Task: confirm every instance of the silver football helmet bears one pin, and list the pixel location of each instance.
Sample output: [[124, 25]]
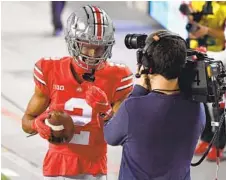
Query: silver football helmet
[[90, 36]]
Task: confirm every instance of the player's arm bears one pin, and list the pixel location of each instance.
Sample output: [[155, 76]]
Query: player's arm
[[36, 106], [35, 114], [123, 88]]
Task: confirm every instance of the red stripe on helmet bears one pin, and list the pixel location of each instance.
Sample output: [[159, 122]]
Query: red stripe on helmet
[[99, 23]]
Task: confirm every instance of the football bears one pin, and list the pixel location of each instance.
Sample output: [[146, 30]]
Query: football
[[62, 126]]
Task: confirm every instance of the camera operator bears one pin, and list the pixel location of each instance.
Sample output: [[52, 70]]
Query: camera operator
[[210, 30], [157, 126]]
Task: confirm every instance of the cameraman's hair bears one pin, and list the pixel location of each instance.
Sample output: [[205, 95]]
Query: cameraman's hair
[[168, 55]]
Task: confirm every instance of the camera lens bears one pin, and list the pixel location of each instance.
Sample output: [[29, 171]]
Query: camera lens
[[135, 41], [130, 41]]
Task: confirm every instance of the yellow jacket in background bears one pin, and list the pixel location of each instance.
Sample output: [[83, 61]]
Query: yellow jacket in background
[[216, 21]]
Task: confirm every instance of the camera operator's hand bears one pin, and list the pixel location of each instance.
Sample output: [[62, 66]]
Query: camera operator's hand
[[144, 81], [203, 30]]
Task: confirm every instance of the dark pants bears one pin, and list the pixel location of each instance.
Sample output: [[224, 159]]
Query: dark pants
[[57, 8], [207, 134]]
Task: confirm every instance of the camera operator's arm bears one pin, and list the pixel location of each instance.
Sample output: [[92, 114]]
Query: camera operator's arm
[[139, 90], [116, 129], [204, 30]]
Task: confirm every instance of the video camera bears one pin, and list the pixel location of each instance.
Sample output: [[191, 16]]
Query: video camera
[[201, 79]]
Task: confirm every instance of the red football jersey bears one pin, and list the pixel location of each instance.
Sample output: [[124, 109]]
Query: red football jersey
[[86, 152]]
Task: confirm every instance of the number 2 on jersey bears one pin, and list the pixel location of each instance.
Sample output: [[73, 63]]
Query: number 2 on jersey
[[84, 119]]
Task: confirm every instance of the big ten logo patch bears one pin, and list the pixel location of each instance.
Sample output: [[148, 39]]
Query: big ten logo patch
[[58, 87]]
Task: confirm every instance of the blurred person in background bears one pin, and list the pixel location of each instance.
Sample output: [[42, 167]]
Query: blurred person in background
[[207, 24], [64, 83], [206, 33], [57, 8]]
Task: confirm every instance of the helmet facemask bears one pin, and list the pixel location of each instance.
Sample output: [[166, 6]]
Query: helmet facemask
[[91, 55]]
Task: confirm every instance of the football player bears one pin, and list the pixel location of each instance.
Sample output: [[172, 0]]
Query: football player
[[90, 37]]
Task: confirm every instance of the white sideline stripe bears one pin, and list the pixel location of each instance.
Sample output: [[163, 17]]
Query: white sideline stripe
[[22, 163], [40, 72], [127, 78], [43, 82], [124, 87], [9, 172]]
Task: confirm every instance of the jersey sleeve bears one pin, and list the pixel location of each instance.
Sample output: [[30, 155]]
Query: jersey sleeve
[[41, 72], [124, 84]]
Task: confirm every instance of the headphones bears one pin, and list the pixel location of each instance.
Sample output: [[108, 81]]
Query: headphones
[[147, 59]]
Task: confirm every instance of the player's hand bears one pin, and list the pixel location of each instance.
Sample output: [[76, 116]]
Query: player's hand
[[98, 100], [39, 125]]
